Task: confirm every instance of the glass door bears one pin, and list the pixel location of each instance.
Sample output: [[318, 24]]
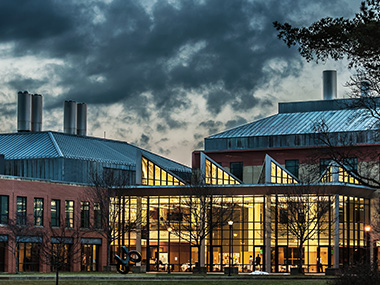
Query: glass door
[[324, 258], [194, 257], [153, 263], [216, 261], [89, 257], [258, 259]]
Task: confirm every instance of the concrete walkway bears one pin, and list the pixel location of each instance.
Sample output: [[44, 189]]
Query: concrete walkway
[[160, 276]]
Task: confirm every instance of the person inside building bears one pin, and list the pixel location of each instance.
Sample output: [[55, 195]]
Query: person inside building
[[258, 261]]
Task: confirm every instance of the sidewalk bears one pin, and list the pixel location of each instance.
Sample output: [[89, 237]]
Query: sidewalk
[[159, 276]]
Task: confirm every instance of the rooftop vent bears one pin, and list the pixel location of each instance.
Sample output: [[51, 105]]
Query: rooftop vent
[[81, 119], [36, 113], [329, 85], [24, 114], [70, 117]]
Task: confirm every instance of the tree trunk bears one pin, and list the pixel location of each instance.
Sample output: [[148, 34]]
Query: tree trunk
[[108, 255], [56, 276], [300, 264], [199, 255]]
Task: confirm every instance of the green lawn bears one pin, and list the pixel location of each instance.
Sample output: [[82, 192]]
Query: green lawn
[[161, 282]]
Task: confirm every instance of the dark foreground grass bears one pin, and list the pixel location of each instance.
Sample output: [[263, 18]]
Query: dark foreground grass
[[165, 282]]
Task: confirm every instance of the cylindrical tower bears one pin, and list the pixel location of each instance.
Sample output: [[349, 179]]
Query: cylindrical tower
[[24, 115], [70, 117], [82, 119], [329, 85], [36, 113]]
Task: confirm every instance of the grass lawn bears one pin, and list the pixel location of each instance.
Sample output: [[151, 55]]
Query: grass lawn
[[161, 282]]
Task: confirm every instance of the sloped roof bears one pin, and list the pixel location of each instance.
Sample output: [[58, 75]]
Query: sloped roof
[[55, 145], [348, 120]]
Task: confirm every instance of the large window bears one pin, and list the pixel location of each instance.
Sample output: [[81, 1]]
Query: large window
[[217, 175], [55, 213], [85, 214], [236, 168], [69, 214], [280, 176], [21, 210], [292, 166], [38, 211], [97, 216], [4, 209], [152, 174], [28, 256]]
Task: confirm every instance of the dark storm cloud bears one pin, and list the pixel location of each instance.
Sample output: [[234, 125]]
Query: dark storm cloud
[[21, 84], [120, 52], [8, 109], [236, 122], [211, 126], [144, 140]]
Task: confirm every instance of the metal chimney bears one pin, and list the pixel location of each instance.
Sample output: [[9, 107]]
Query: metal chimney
[[70, 117], [24, 115], [82, 119], [329, 85], [36, 113]]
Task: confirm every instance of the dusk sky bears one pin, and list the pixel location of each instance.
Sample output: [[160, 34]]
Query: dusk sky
[[160, 74]]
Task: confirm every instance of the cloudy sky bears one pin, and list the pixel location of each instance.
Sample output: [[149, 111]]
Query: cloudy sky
[[160, 74]]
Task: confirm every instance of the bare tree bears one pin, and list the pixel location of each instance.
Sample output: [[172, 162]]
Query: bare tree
[[302, 214], [61, 247], [20, 230], [200, 211], [108, 219]]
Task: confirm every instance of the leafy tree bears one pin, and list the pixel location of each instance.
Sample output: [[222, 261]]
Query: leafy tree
[[357, 39]]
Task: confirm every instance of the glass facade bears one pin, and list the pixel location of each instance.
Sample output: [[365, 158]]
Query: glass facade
[[152, 174], [217, 175], [249, 235], [279, 175]]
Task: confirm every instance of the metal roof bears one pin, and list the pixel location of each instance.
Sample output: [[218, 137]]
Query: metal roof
[[348, 120], [54, 145]]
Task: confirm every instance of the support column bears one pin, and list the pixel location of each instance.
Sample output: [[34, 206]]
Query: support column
[[336, 232], [138, 227], [268, 231]]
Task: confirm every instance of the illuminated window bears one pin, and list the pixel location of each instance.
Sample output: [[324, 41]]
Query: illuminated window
[[214, 174], [38, 211], [336, 173], [152, 174], [279, 175], [272, 172], [69, 214]]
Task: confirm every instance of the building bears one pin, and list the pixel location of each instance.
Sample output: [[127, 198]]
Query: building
[[46, 182], [254, 172], [260, 166]]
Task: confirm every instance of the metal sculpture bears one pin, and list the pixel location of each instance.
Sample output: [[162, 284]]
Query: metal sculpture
[[123, 264]]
